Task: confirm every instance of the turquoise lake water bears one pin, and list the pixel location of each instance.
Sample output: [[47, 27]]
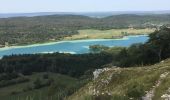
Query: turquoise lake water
[[74, 46]]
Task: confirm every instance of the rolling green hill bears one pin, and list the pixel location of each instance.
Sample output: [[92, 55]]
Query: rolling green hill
[[28, 30]]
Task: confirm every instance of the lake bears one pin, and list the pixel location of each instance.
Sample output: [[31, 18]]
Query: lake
[[73, 47]]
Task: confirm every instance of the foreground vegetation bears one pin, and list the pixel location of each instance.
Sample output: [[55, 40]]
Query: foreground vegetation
[[29, 30], [42, 86], [128, 84]]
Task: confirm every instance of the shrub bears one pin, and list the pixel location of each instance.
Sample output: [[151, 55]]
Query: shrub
[[119, 97], [37, 83], [103, 97], [8, 76], [14, 92], [4, 83], [27, 88], [45, 76], [135, 90]]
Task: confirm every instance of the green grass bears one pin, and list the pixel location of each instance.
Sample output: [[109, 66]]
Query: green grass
[[125, 83], [42, 93], [128, 83], [107, 34], [162, 89]]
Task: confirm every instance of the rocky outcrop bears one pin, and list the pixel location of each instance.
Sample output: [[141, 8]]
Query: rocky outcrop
[[103, 81]]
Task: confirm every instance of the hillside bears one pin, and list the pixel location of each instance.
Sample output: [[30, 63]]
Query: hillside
[[116, 83], [29, 30], [89, 14], [54, 86]]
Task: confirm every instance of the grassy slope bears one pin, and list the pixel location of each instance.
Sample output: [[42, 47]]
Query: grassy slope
[[124, 79], [38, 94], [107, 34]]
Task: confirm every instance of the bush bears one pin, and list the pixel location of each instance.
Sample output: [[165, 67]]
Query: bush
[[27, 88], [8, 76], [88, 97], [103, 97], [45, 76], [37, 83], [98, 48], [135, 90], [4, 83], [14, 92], [119, 97]]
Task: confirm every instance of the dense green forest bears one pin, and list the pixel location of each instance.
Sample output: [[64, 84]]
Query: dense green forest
[[72, 65], [26, 30]]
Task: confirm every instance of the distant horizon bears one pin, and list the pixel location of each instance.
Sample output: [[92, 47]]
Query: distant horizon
[[97, 14], [83, 11], [31, 6]]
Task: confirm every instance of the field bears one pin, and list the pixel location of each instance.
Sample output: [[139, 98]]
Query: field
[[16, 91], [108, 34]]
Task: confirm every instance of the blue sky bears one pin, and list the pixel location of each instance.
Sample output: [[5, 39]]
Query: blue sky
[[17, 6]]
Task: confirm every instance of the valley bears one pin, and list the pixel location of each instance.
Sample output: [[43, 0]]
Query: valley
[[75, 57]]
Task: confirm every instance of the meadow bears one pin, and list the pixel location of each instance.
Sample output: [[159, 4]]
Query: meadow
[[22, 91], [108, 34]]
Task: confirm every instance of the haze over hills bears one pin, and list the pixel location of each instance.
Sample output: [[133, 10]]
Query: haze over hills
[[90, 14]]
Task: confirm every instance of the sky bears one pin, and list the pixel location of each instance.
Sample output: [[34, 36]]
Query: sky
[[27, 6]]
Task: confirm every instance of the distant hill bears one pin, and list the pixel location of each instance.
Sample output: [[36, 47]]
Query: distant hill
[[89, 14], [8, 15], [38, 29]]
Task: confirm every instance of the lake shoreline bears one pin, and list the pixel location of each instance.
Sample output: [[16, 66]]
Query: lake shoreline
[[51, 43]]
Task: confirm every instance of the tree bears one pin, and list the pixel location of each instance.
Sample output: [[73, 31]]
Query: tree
[[37, 83], [98, 48], [160, 42]]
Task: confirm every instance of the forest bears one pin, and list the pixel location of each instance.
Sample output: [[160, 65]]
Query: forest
[[72, 65], [29, 30], [75, 65]]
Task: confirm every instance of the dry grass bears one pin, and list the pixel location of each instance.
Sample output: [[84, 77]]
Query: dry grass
[[108, 34], [124, 80]]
